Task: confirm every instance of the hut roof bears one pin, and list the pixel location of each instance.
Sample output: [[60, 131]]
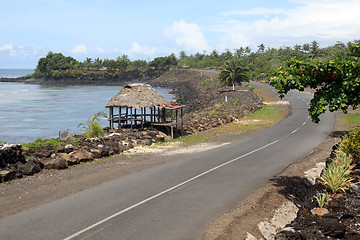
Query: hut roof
[[136, 95]]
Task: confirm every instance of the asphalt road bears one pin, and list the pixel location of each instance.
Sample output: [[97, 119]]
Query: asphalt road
[[177, 200]]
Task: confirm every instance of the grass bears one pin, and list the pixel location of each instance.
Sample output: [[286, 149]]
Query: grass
[[40, 142], [351, 120]]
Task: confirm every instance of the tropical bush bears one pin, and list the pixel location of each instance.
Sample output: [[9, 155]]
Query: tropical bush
[[93, 128], [351, 144], [322, 199], [336, 177]]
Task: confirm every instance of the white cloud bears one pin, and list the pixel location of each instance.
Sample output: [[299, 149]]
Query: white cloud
[[8, 48], [256, 11], [82, 49], [187, 35], [136, 48], [233, 40], [325, 21]]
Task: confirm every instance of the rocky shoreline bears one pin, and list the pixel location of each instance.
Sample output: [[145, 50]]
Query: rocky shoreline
[[126, 77]]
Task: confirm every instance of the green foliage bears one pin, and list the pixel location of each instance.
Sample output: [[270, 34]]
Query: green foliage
[[93, 128], [220, 106], [235, 102], [337, 83], [322, 199], [336, 177], [40, 142], [164, 62], [261, 63], [205, 82], [233, 72], [248, 87], [55, 61], [351, 144]]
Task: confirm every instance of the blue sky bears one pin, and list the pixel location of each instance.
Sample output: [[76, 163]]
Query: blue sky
[[141, 29]]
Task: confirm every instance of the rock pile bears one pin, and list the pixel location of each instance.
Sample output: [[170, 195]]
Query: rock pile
[[17, 161], [338, 220]]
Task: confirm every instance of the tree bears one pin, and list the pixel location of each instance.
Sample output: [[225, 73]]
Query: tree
[[182, 55], [164, 62], [337, 82], [226, 55], [306, 47], [239, 52], [139, 64], [214, 54], [55, 61], [261, 48], [297, 48], [314, 49], [233, 72]]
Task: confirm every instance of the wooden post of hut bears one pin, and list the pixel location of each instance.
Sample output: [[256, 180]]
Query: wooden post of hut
[[111, 117], [119, 118]]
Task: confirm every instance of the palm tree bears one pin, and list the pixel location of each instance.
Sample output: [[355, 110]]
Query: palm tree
[[233, 72], [314, 49], [306, 47], [183, 55], [297, 48], [214, 54], [261, 48]]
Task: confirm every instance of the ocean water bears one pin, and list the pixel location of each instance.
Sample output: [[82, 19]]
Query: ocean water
[[31, 111], [14, 73]]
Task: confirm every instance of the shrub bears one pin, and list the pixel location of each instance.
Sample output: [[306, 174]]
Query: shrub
[[351, 144], [336, 177], [322, 199], [93, 128], [248, 87], [235, 101], [220, 106]]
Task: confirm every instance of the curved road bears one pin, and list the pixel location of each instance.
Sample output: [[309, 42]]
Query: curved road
[[177, 200]]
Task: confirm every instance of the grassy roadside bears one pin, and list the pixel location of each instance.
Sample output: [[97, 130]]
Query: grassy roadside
[[350, 120], [271, 113]]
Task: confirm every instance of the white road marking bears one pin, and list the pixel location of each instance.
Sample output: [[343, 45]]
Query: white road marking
[[175, 187]]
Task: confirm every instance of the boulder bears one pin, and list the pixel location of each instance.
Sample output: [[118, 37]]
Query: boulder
[[68, 148], [7, 175], [81, 155], [11, 154], [104, 150], [122, 147], [31, 167], [67, 157], [95, 152], [332, 228], [54, 163]]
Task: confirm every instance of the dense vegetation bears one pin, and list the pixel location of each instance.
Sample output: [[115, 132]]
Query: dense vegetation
[[261, 63], [336, 81]]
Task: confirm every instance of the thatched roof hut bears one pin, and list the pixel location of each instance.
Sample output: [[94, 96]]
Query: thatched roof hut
[[138, 95]]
